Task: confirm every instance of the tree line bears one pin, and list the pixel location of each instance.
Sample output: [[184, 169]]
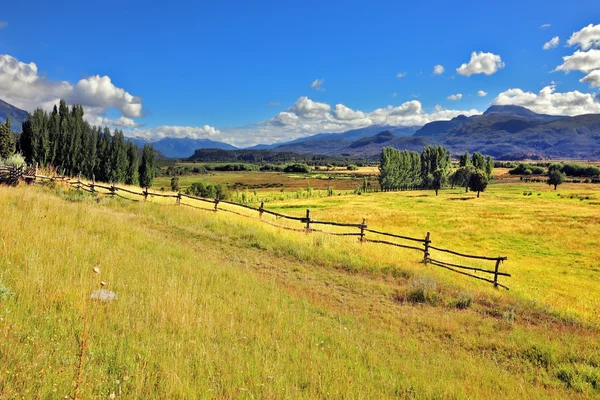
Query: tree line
[[64, 140], [430, 169]]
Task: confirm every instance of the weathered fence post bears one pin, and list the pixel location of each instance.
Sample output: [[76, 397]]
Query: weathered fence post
[[145, 192], [261, 209], [307, 221], [426, 244], [113, 190], [93, 183], [498, 261], [179, 198], [362, 230], [216, 205], [79, 181]]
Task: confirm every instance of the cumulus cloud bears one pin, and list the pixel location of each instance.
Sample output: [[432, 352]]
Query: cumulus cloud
[[586, 38], [161, 132], [400, 74], [545, 26], [438, 69], [455, 97], [552, 43], [3, 24], [584, 61], [481, 93], [548, 101], [316, 84], [481, 63], [307, 117], [593, 78], [23, 86]]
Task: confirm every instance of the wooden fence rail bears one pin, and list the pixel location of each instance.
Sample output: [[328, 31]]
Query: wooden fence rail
[[307, 221]]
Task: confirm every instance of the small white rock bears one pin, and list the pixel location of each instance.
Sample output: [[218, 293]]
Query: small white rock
[[103, 295]]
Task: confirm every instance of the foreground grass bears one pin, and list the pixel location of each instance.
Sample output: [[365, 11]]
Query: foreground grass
[[217, 306]]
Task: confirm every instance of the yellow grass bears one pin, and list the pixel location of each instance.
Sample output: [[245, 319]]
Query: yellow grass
[[221, 306]]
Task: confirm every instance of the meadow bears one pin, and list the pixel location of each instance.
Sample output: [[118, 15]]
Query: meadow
[[214, 305]]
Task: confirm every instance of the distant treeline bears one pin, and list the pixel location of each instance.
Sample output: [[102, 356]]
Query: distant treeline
[[430, 169], [569, 169], [65, 141], [267, 157]]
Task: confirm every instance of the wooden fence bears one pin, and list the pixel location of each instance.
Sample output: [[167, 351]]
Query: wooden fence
[[423, 245]]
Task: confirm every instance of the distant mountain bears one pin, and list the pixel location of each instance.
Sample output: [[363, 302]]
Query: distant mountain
[[17, 116], [183, 147], [505, 132]]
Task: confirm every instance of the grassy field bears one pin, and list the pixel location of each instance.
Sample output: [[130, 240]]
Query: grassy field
[[221, 306], [268, 183]]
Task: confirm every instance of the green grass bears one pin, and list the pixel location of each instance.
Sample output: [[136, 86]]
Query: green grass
[[220, 306]]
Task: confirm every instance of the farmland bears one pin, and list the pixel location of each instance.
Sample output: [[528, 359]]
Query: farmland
[[215, 305]]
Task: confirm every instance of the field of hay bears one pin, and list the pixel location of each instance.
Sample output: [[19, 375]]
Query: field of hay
[[214, 305]]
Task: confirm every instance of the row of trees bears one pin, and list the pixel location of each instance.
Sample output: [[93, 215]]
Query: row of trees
[[430, 169], [65, 141]]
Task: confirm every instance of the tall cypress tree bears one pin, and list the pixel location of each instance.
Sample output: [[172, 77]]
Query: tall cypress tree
[[132, 164], [118, 157], [105, 159], [147, 166]]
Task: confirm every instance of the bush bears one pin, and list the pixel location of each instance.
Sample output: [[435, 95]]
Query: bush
[[4, 291], [527, 169], [15, 160], [422, 289], [208, 190], [463, 301], [352, 167], [297, 168]]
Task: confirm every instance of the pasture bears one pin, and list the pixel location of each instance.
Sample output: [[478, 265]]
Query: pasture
[[214, 305]]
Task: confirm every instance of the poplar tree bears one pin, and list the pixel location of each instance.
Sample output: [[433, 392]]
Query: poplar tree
[[147, 166], [132, 164]]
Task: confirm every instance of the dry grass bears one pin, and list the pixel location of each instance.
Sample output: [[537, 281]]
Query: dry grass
[[219, 306]]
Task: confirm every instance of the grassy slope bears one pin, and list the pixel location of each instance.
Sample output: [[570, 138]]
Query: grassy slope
[[550, 237], [219, 306]]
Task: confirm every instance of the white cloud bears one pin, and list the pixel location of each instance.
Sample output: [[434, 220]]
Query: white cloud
[[306, 108], [438, 69], [316, 84], [584, 61], [481, 63], [455, 97], [160, 132], [586, 38], [99, 91], [552, 43], [481, 93], [3, 24], [545, 26], [593, 78], [548, 101], [400, 74], [22, 86]]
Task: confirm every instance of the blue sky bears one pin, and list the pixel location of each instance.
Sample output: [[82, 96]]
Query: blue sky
[[226, 70]]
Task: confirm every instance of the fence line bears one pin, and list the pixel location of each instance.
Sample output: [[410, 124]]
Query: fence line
[[32, 176]]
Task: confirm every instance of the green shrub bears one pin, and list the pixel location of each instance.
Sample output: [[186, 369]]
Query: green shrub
[[352, 167], [297, 168], [463, 301], [15, 160], [422, 289], [4, 291], [208, 190]]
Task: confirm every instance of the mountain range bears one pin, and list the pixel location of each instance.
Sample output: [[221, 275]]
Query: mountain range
[[504, 132]]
